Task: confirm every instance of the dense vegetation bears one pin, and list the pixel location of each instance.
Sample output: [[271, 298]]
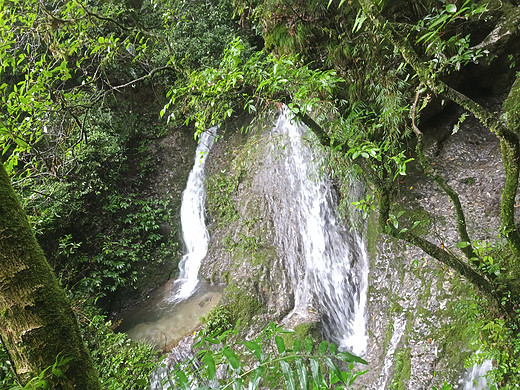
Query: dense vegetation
[[84, 85]]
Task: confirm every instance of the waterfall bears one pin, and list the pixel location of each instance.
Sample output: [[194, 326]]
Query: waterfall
[[327, 264], [475, 378], [194, 231]]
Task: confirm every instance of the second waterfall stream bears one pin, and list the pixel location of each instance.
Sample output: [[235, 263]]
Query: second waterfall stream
[[193, 220], [327, 263]]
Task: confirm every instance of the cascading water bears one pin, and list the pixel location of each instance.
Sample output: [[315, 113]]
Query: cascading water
[[398, 332], [327, 264], [168, 315], [476, 376], [194, 231]]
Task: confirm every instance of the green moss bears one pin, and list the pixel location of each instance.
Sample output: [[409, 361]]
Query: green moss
[[418, 214], [217, 321], [302, 332], [512, 105], [388, 335], [402, 369], [427, 290], [241, 305], [220, 190], [244, 244], [237, 311], [469, 181], [372, 235]]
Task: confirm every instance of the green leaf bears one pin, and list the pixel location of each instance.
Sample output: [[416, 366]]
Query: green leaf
[[463, 244], [316, 372], [297, 345], [255, 348], [280, 345], [324, 345], [350, 358], [21, 142], [334, 368], [237, 384], [182, 380], [288, 375], [308, 345], [232, 358], [58, 372], [210, 364], [302, 373], [256, 378]]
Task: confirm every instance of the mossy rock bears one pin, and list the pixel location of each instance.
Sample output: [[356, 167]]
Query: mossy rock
[[217, 321], [302, 332], [242, 306], [402, 369]]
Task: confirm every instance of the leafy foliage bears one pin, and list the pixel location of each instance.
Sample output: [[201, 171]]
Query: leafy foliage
[[120, 362], [201, 30], [491, 337], [104, 252], [239, 84], [39, 382], [56, 62], [454, 52], [265, 362]]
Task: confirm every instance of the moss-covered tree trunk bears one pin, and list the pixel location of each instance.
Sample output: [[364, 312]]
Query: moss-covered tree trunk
[[37, 325]]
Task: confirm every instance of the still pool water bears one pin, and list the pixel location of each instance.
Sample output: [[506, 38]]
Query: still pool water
[[163, 322]]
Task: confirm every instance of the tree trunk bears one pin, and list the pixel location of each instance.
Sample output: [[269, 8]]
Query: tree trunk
[[37, 327]]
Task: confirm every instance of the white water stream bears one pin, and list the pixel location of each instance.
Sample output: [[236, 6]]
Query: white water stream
[[174, 310], [397, 333], [193, 220], [476, 376], [327, 264]]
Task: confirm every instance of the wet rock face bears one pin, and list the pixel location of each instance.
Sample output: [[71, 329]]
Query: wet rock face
[[242, 250], [412, 296], [408, 301]]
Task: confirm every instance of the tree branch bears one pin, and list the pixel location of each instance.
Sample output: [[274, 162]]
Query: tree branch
[[443, 184], [506, 29], [442, 255], [508, 137]]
